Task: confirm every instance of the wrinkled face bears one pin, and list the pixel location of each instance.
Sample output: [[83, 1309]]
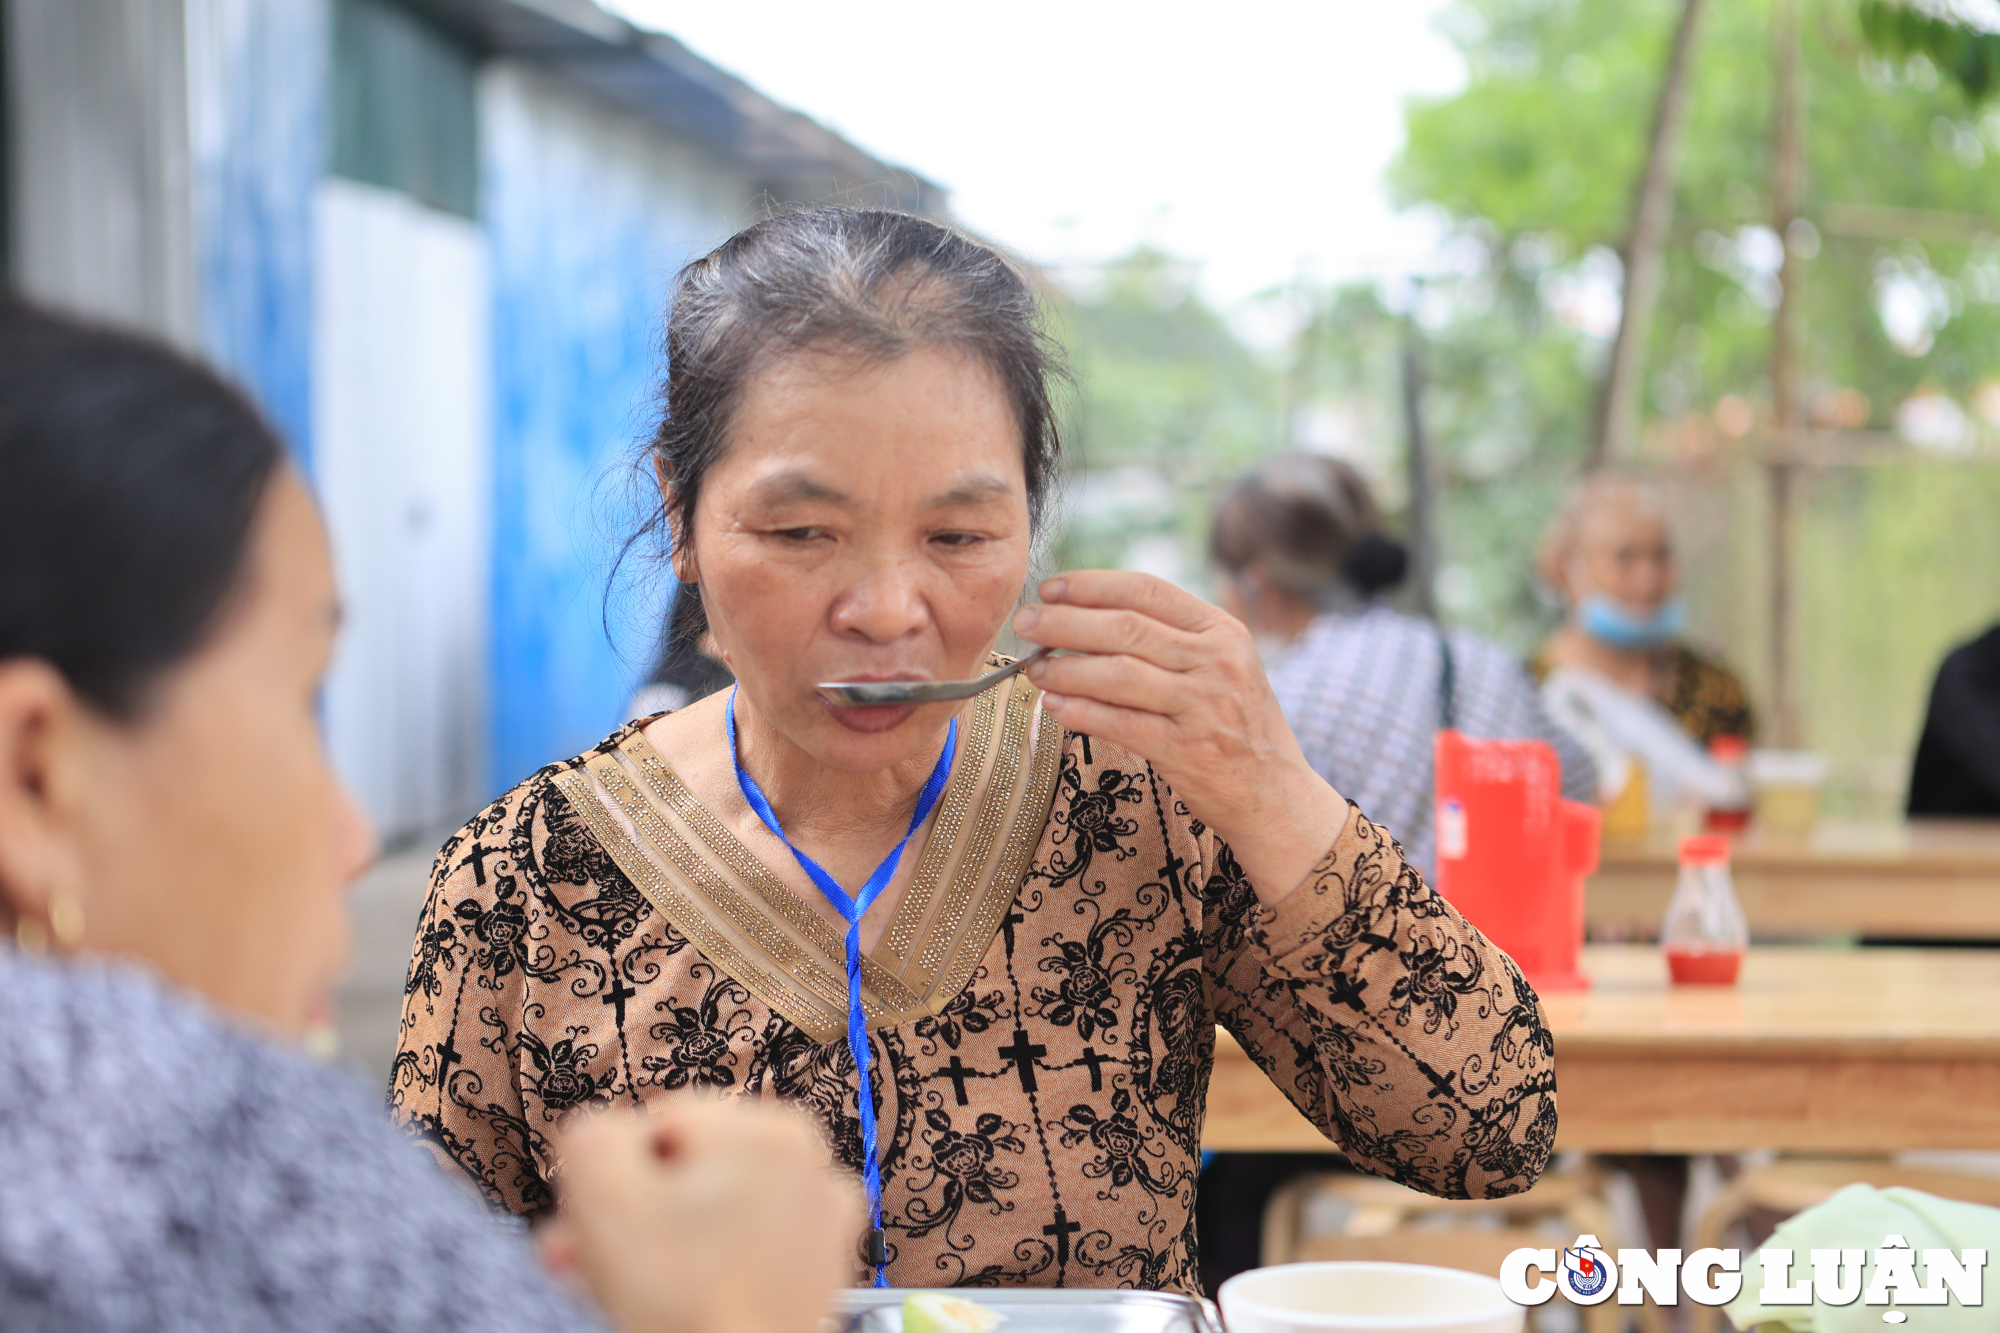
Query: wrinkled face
[[867, 521], [218, 843], [1623, 552]]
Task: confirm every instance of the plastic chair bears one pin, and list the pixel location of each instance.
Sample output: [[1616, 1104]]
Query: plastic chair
[[1387, 1222]]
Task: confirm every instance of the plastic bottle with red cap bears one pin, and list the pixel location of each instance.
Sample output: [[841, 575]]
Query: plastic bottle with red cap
[[1704, 935], [1731, 814]]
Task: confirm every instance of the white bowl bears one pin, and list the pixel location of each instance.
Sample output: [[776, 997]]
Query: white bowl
[[1366, 1298]]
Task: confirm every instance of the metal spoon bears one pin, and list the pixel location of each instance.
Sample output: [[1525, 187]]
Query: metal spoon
[[875, 693]]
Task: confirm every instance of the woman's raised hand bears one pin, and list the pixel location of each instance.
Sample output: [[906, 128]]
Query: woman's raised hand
[[704, 1216], [1178, 681]]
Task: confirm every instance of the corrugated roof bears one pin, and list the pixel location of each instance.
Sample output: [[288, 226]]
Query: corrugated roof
[[792, 155]]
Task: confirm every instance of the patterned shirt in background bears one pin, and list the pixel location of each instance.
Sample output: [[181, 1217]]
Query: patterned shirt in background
[[1363, 691], [1703, 695], [1705, 698], [162, 1171]]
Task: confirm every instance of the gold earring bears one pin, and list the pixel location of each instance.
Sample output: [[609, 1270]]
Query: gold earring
[[66, 921], [31, 936]]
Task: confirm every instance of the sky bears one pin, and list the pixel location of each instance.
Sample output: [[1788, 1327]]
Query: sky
[[1249, 139]]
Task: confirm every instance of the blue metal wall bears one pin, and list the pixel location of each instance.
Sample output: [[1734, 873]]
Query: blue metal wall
[[257, 98], [589, 212]]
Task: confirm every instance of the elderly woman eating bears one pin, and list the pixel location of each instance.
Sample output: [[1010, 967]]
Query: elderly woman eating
[[985, 942]]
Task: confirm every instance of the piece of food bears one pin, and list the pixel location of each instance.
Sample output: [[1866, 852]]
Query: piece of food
[[936, 1312]]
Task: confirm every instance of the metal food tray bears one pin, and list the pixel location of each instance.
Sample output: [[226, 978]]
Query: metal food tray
[[1060, 1310]]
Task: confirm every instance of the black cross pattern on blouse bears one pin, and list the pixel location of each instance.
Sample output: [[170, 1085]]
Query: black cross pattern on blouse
[[1171, 871], [617, 995], [1023, 1056], [1096, 1063], [1062, 1229], [1343, 989], [476, 858], [448, 1055], [957, 1073], [1007, 924]]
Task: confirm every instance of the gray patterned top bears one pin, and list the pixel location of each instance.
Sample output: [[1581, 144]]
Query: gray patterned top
[[1363, 692], [160, 1170]]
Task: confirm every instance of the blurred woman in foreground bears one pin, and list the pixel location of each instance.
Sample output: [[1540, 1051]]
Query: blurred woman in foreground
[[173, 850]]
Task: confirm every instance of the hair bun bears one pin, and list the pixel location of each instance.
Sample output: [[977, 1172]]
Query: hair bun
[[1374, 563]]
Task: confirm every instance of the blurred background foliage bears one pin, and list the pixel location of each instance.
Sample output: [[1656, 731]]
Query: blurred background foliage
[[1533, 166], [1169, 401]]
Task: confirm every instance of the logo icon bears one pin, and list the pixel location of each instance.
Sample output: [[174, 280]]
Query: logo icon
[[1453, 838], [1587, 1275]]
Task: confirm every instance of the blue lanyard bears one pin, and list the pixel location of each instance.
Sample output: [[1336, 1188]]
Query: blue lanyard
[[852, 909]]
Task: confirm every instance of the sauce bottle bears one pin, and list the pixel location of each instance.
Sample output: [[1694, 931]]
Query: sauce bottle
[[1732, 813], [1704, 934]]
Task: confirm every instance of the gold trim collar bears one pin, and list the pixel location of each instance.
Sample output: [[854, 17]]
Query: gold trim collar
[[748, 923]]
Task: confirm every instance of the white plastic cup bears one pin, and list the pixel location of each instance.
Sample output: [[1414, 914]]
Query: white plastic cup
[[1366, 1298], [1787, 784]]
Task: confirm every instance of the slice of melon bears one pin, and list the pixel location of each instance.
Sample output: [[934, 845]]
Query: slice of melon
[[937, 1312]]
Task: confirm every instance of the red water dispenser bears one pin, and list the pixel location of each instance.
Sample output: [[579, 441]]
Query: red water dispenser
[[1512, 854]]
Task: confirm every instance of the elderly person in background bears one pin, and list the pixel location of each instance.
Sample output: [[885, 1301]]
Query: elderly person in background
[[173, 850], [1617, 672], [1304, 560]]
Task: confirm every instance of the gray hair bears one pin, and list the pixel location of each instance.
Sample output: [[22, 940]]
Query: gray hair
[[867, 282], [1596, 493]]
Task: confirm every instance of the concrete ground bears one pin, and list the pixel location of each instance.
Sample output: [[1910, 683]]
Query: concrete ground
[[385, 904]]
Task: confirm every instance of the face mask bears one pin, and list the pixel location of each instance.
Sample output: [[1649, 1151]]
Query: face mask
[[1612, 622]]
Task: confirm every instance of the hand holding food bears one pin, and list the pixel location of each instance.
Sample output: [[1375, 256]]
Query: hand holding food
[[706, 1217]]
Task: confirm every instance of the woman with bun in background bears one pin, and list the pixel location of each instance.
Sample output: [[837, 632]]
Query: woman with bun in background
[[1303, 561]]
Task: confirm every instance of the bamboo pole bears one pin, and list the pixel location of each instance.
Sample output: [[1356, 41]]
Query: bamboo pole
[[1419, 527], [1617, 434], [1782, 446]]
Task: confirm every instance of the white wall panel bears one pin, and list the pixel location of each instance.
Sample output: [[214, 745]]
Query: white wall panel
[[97, 124], [401, 453]]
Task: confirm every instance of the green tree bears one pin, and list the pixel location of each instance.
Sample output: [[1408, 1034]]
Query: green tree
[[1535, 162], [1967, 55], [1545, 142], [1169, 401]]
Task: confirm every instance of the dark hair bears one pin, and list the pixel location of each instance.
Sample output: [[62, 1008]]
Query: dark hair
[[1313, 526], [867, 282], [681, 660], [129, 480]]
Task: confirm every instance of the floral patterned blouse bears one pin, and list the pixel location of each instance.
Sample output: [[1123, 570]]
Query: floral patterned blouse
[[1043, 1004]]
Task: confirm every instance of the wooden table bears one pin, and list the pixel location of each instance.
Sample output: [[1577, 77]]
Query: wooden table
[[1927, 879], [1825, 1050]]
